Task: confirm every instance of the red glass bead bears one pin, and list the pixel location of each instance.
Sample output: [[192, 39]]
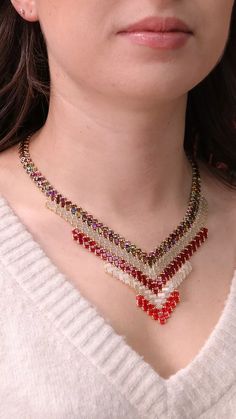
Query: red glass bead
[[201, 234], [53, 195], [122, 264], [139, 300], [63, 201], [186, 253], [92, 243], [150, 309], [155, 310], [68, 203], [145, 305], [162, 320], [144, 278], [171, 269], [190, 249], [139, 275], [104, 255], [164, 278], [116, 263], [166, 314], [170, 299], [205, 231], [179, 261], [176, 265], [194, 245], [151, 285], [159, 285], [58, 198], [144, 281], [197, 241], [155, 316], [36, 174]]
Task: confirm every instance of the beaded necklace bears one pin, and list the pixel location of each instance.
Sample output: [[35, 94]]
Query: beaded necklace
[[154, 276]]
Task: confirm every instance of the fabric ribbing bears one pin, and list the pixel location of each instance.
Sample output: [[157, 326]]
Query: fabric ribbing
[[76, 318], [186, 394]]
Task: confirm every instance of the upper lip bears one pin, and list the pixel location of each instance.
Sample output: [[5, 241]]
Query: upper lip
[[158, 24]]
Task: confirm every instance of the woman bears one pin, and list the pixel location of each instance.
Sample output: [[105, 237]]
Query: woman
[[123, 111]]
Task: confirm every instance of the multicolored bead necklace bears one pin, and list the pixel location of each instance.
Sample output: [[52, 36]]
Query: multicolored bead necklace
[[154, 276]]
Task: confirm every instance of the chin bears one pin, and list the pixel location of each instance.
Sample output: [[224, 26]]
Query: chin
[[149, 91]]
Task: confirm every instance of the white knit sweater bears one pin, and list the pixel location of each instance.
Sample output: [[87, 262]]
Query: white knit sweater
[[59, 359]]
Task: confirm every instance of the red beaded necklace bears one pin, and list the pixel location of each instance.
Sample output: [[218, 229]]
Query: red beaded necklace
[[154, 276]]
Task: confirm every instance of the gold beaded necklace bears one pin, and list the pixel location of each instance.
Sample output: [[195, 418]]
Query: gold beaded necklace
[[154, 276]]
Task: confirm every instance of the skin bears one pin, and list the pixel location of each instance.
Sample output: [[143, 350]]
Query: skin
[[117, 108], [115, 128]]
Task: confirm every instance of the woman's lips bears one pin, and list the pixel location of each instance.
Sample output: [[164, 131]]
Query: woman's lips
[[158, 32], [159, 40]]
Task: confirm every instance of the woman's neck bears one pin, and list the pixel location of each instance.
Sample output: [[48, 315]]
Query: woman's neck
[[115, 161]]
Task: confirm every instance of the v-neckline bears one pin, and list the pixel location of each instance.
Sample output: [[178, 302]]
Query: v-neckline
[[151, 394]]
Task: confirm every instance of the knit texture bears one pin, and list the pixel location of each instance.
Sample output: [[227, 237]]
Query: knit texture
[[59, 358]]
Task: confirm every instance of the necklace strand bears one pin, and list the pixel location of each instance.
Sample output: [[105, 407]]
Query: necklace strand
[[154, 276]]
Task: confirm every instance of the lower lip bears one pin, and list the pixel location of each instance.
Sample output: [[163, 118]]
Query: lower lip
[[158, 40]]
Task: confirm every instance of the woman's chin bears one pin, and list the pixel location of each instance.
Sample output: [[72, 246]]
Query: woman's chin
[[148, 93]]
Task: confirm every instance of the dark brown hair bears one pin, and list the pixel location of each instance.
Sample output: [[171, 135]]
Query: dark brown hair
[[210, 132]]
